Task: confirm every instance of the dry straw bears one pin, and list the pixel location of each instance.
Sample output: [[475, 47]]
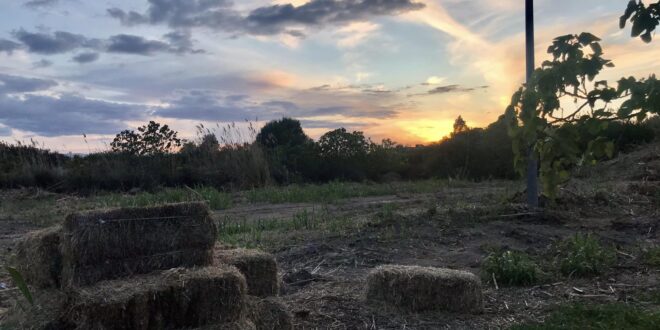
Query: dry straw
[[258, 267], [268, 314], [416, 289], [38, 257], [122, 242], [176, 298]]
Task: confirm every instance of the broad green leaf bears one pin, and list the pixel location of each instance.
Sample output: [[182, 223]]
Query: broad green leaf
[[19, 281]]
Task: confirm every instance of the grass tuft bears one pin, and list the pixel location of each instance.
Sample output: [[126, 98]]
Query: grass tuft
[[510, 268], [610, 316], [652, 257], [583, 256]]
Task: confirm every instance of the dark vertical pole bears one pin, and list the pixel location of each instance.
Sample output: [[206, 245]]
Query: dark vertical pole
[[532, 164]]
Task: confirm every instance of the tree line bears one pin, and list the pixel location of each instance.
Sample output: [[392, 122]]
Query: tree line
[[278, 153]]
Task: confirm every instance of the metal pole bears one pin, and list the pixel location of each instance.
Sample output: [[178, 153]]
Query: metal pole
[[532, 163]]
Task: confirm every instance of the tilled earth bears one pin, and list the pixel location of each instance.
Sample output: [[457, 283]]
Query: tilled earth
[[457, 227]]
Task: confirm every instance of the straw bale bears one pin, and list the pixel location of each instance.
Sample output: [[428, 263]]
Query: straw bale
[[244, 324], [39, 259], [415, 288], [123, 242], [268, 314], [258, 267], [176, 298]]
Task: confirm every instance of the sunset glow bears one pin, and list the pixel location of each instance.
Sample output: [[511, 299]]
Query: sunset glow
[[404, 70]]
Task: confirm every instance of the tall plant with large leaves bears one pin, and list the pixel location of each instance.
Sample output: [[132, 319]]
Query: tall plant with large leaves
[[564, 93]]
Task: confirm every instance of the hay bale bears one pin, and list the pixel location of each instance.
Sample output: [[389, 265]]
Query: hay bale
[[123, 242], [416, 289], [268, 314], [258, 267], [39, 259], [172, 299], [238, 325]]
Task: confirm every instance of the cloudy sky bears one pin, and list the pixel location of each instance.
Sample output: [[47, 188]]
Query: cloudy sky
[[392, 68]]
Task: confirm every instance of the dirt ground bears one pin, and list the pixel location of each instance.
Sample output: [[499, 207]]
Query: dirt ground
[[456, 227]]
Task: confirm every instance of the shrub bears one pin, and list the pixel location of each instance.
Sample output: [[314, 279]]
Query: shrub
[[583, 255], [510, 268]]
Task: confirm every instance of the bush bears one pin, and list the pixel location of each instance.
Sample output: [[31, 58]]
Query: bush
[[510, 268], [583, 255]]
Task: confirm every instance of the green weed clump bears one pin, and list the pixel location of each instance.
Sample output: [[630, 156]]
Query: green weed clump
[[510, 268], [610, 316], [652, 257], [583, 256]]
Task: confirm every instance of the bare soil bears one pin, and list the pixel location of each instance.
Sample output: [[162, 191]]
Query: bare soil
[[456, 227]]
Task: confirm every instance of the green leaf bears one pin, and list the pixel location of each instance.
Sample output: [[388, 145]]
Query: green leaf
[[20, 283], [586, 38]]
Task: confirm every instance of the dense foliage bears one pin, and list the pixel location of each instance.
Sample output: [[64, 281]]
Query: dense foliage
[[560, 138], [232, 158]]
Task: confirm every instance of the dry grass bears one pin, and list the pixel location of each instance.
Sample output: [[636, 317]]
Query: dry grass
[[122, 242], [416, 289], [258, 267], [39, 259], [268, 314]]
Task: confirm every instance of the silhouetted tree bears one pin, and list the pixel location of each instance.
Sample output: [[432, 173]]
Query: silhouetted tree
[[283, 132], [460, 125], [151, 139]]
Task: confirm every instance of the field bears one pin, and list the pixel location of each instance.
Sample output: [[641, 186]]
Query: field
[[589, 259]]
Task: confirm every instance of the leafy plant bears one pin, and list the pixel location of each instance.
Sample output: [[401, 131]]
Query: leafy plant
[[583, 255], [537, 116], [510, 268], [644, 19], [19, 281]]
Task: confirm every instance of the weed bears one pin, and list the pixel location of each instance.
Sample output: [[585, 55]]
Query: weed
[[334, 191], [652, 257], [610, 316], [510, 268], [250, 233], [583, 255]]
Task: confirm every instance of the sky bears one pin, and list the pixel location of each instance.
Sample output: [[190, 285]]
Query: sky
[[73, 73]]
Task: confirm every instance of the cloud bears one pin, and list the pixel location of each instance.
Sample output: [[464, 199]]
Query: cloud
[[131, 44], [453, 88], [43, 63], [266, 20], [66, 115], [58, 42], [5, 131], [41, 3], [16, 84], [206, 105], [84, 58], [181, 42], [8, 46]]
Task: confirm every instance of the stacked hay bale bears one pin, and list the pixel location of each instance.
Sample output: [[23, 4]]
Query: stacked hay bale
[[142, 268], [258, 267], [39, 258], [177, 298], [417, 289], [123, 242]]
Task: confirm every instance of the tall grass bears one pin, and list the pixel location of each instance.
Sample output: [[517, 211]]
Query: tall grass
[[336, 190]]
